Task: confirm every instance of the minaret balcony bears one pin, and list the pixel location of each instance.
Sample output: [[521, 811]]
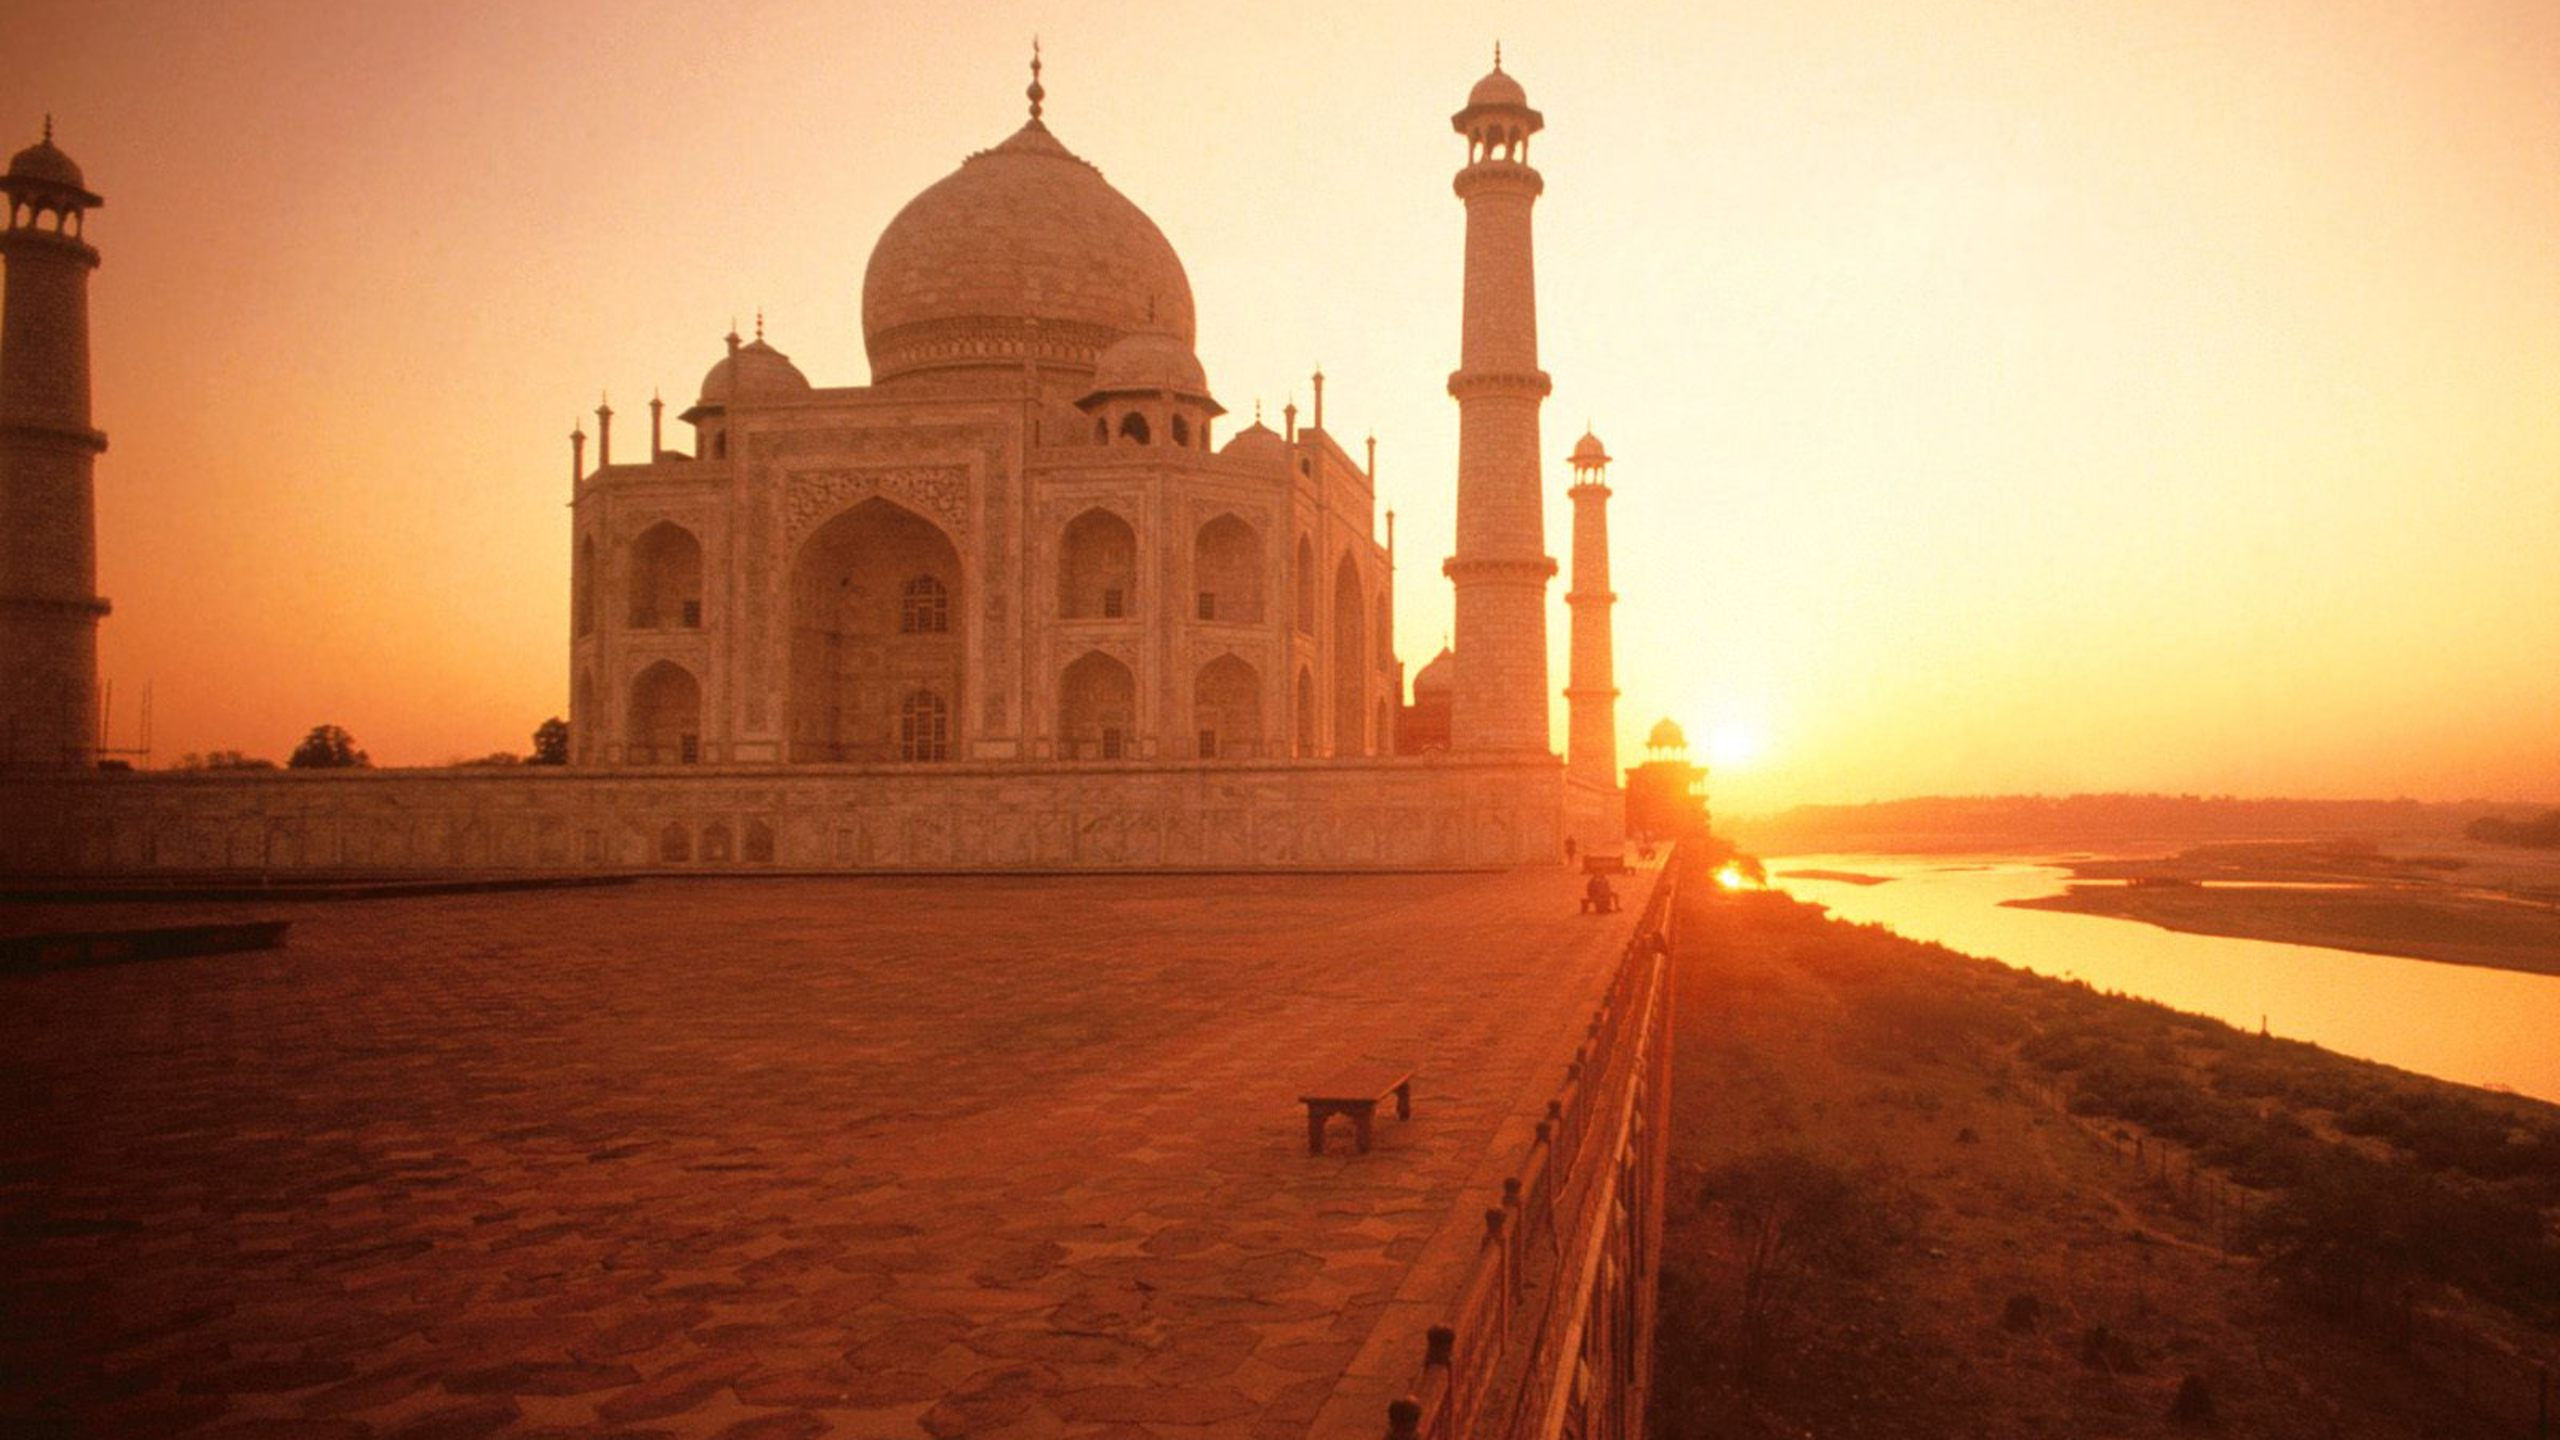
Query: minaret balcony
[[1519, 384]]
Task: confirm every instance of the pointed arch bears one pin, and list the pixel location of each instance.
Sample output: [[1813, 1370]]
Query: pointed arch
[[1305, 747], [1226, 569], [1226, 710], [582, 588], [665, 579], [1350, 660], [1097, 567], [866, 590], [1097, 709], [1306, 582], [665, 726]]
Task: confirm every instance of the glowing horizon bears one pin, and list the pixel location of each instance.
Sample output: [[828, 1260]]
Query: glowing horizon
[[2007, 402]]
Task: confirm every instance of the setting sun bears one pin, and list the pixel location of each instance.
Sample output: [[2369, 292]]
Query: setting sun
[[1735, 745]]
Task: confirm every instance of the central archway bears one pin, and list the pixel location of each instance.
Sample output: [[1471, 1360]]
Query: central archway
[[875, 608]]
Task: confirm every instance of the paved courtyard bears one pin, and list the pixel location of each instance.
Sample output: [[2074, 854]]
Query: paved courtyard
[[770, 1158]]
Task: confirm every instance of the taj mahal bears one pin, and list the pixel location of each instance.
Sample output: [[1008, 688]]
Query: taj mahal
[[1017, 601]]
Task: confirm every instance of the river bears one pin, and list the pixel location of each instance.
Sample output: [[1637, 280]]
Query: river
[[2460, 1022]]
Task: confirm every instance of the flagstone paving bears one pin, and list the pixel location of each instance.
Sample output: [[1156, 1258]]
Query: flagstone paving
[[993, 1157]]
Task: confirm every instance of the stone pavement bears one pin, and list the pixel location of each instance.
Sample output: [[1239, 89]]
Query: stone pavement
[[999, 1157]]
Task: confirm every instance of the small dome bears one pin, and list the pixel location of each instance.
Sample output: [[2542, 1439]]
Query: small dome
[[43, 164], [1149, 362], [1258, 442], [1666, 734], [1588, 451], [1439, 677], [753, 371], [1497, 88]]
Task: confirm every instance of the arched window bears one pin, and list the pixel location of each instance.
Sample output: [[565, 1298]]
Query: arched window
[[1350, 661], [666, 717], [666, 578], [924, 727], [1181, 431], [582, 588], [1097, 709], [1133, 428], [1306, 586], [1226, 569], [1306, 713], [1226, 708], [1097, 568], [924, 607]]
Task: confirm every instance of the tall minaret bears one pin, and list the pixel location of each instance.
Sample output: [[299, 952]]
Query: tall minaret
[[1501, 568], [1591, 700], [49, 607]]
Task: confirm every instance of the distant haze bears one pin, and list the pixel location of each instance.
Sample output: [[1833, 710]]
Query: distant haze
[[2006, 397]]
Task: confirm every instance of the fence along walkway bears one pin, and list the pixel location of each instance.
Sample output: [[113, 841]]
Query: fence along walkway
[[1544, 1295]]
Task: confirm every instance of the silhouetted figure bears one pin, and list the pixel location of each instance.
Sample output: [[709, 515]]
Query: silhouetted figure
[[1597, 897]]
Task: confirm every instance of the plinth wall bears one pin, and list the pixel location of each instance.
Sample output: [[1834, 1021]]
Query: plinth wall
[[1401, 813]]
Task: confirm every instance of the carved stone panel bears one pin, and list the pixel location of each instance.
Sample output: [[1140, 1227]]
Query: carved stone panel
[[940, 492]]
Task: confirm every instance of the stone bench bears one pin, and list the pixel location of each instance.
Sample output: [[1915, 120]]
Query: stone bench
[[1355, 1091]]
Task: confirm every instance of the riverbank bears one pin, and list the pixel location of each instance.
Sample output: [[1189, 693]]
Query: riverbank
[[2021, 1208], [2501, 911]]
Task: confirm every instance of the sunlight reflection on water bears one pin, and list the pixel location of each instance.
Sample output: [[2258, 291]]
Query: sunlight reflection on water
[[2461, 1022]]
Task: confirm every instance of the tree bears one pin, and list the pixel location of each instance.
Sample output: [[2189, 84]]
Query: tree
[[551, 742], [328, 747], [223, 760], [1794, 1216]]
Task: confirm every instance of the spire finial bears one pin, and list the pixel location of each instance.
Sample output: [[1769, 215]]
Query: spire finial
[[759, 324], [1036, 92], [48, 127], [1497, 55]]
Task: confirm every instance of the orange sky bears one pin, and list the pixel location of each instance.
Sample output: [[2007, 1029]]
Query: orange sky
[[2005, 397]]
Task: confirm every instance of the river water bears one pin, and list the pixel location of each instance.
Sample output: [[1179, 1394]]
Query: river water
[[2460, 1022]]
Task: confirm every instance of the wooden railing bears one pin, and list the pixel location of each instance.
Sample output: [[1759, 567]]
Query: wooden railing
[[1489, 1370]]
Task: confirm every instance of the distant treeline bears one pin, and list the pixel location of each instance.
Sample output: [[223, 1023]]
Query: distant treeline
[[2542, 832], [1991, 822]]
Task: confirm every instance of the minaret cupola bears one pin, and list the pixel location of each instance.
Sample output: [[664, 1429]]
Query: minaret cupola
[[1498, 121]]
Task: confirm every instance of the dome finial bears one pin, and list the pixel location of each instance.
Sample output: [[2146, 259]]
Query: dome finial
[[1497, 55], [759, 324], [1036, 92], [48, 127]]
